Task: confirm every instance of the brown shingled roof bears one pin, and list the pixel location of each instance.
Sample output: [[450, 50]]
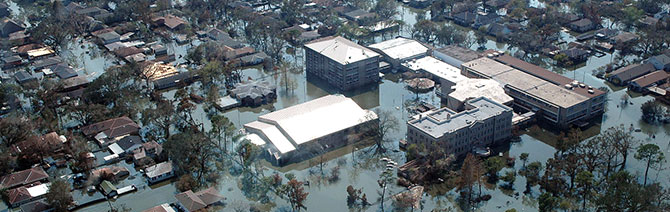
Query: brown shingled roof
[[112, 127], [650, 78], [23, 177]]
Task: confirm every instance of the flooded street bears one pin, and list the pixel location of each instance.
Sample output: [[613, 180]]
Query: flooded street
[[357, 165]]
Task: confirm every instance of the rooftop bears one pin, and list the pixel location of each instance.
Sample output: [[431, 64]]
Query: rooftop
[[159, 169], [341, 50], [444, 120], [460, 53], [437, 68], [473, 88], [310, 120], [400, 48], [650, 78]]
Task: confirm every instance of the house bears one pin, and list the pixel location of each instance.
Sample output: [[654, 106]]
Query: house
[[9, 26], [254, 59], [106, 131], [46, 62], [465, 18], [24, 177], [660, 62], [181, 79], [624, 38], [74, 83], [624, 75], [327, 58], [160, 208], [582, 25], [126, 144], [108, 189], [254, 93], [4, 10], [90, 11], [649, 21], [484, 19], [159, 50], [40, 205], [605, 33], [170, 21], [159, 172], [23, 77], [40, 52], [498, 30], [124, 52], [72, 7], [640, 84], [109, 37], [237, 53], [567, 18], [359, 15], [64, 71], [24, 194], [497, 3], [577, 55], [189, 201], [12, 61], [23, 50], [51, 142]]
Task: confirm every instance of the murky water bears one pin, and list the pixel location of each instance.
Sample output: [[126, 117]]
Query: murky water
[[360, 169]]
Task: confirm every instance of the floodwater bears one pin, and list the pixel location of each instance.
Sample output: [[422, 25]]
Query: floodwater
[[361, 169]]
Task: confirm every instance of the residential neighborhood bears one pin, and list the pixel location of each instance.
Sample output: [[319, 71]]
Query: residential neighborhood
[[334, 105]]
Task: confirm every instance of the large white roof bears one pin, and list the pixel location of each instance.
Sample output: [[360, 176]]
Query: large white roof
[[274, 135], [473, 88], [437, 68], [318, 118], [341, 50], [401, 48]]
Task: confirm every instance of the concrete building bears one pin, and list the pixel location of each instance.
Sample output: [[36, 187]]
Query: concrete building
[[310, 129], [455, 55], [557, 99], [342, 63], [400, 50], [482, 123], [447, 75], [473, 88]]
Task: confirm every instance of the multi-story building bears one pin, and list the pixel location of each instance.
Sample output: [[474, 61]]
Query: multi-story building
[[341, 62], [484, 122], [555, 98]]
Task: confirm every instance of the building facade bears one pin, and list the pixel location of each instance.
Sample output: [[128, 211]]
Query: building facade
[[342, 63], [555, 98], [483, 123]]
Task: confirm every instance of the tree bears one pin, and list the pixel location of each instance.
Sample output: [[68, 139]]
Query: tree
[[652, 111], [471, 172], [493, 166], [161, 116], [509, 178], [650, 153], [621, 192], [532, 173], [386, 9], [14, 129], [585, 180], [58, 196], [385, 178], [296, 194], [524, 158], [424, 30], [385, 123], [547, 202], [200, 151], [186, 182]]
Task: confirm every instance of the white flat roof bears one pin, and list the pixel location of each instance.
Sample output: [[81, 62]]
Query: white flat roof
[[276, 137], [400, 48], [437, 68], [38, 190], [473, 88], [318, 118], [341, 50]]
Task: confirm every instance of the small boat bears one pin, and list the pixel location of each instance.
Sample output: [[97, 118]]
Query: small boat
[[482, 152]]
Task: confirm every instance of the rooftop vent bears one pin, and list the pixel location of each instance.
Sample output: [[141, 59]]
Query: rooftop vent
[[568, 86], [591, 91], [582, 85]]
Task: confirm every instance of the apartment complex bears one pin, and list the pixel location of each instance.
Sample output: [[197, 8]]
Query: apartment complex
[[310, 129], [558, 99], [482, 123], [341, 62]]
